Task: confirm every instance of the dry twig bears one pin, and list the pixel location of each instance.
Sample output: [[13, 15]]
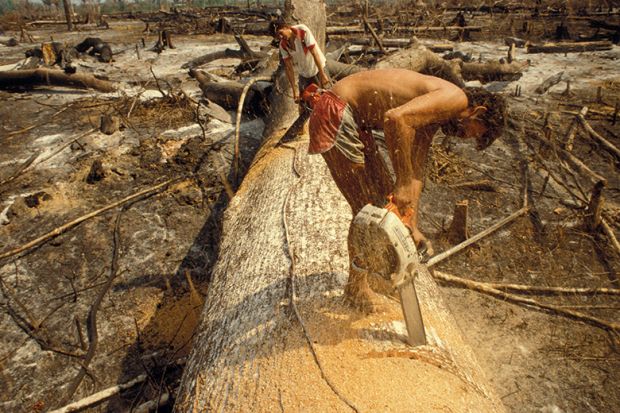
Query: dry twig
[[99, 397], [485, 288], [91, 323], [440, 257], [246, 88], [63, 228]]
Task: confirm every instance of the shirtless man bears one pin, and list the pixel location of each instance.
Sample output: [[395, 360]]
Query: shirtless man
[[409, 107]]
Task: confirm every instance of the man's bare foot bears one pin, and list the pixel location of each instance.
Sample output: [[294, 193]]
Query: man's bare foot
[[364, 299]]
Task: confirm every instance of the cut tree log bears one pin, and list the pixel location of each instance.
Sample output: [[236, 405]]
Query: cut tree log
[[244, 52], [47, 77], [550, 81], [275, 334], [570, 47], [434, 47], [414, 30], [420, 59], [226, 94], [493, 71]]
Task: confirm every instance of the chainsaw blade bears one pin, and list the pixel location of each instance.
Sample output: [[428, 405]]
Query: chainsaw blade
[[411, 311]]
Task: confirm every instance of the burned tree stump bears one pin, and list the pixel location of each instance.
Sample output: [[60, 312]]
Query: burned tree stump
[[96, 173], [109, 124], [458, 231]]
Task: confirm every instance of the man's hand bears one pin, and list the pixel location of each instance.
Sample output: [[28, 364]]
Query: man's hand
[[325, 81]]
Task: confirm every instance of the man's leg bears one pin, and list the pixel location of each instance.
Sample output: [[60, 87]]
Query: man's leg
[[360, 184]]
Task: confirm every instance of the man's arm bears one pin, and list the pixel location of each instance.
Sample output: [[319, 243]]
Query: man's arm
[[317, 61], [408, 150], [290, 74]]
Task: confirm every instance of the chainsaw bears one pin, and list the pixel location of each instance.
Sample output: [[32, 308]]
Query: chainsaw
[[384, 244]]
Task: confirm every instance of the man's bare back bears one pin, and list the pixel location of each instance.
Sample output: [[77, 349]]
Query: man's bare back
[[373, 93]]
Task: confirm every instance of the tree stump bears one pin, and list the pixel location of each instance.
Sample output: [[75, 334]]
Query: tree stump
[[458, 231]]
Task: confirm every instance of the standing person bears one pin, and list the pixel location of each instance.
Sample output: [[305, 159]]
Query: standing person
[[409, 107], [300, 51]]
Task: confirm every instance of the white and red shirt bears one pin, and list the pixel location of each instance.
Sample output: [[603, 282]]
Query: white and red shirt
[[303, 42]]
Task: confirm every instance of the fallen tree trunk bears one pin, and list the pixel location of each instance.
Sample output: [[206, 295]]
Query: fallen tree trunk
[[420, 59], [47, 77], [549, 82], [420, 29], [227, 94], [570, 47], [244, 52], [275, 333], [493, 71], [434, 47]]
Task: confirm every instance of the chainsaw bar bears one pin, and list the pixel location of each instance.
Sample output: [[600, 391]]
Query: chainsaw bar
[[383, 245]]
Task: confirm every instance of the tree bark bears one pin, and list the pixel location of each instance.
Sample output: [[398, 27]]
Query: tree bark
[[68, 16], [42, 77], [276, 334]]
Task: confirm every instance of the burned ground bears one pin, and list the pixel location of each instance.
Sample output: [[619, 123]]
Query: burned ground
[[158, 250]]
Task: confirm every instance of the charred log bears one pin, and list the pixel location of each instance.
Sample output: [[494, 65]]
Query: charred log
[[16, 79]]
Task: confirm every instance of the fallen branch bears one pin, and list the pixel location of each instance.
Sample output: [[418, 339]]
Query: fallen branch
[[373, 34], [103, 395], [63, 228], [611, 148], [515, 299], [21, 168], [481, 185], [91, 323], [610, 233], [572, 159], [440, 257], [572, 130], [541, 290], [45, 77], [493, 71], [550, 81], [238, 122]]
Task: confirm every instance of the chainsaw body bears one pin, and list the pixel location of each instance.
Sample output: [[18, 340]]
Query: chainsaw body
[[383, 245]]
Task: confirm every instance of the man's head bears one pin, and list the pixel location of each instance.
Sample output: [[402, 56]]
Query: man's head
[[484, 118], [280, 29]]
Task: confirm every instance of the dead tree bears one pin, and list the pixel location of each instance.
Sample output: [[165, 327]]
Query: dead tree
[[275, 333], [68, 14]]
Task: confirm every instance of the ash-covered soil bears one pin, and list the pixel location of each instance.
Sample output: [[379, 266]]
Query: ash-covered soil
[[165, 244]]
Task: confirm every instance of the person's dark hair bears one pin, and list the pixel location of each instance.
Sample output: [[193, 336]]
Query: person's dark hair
[[276, 25], [495, 116]]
